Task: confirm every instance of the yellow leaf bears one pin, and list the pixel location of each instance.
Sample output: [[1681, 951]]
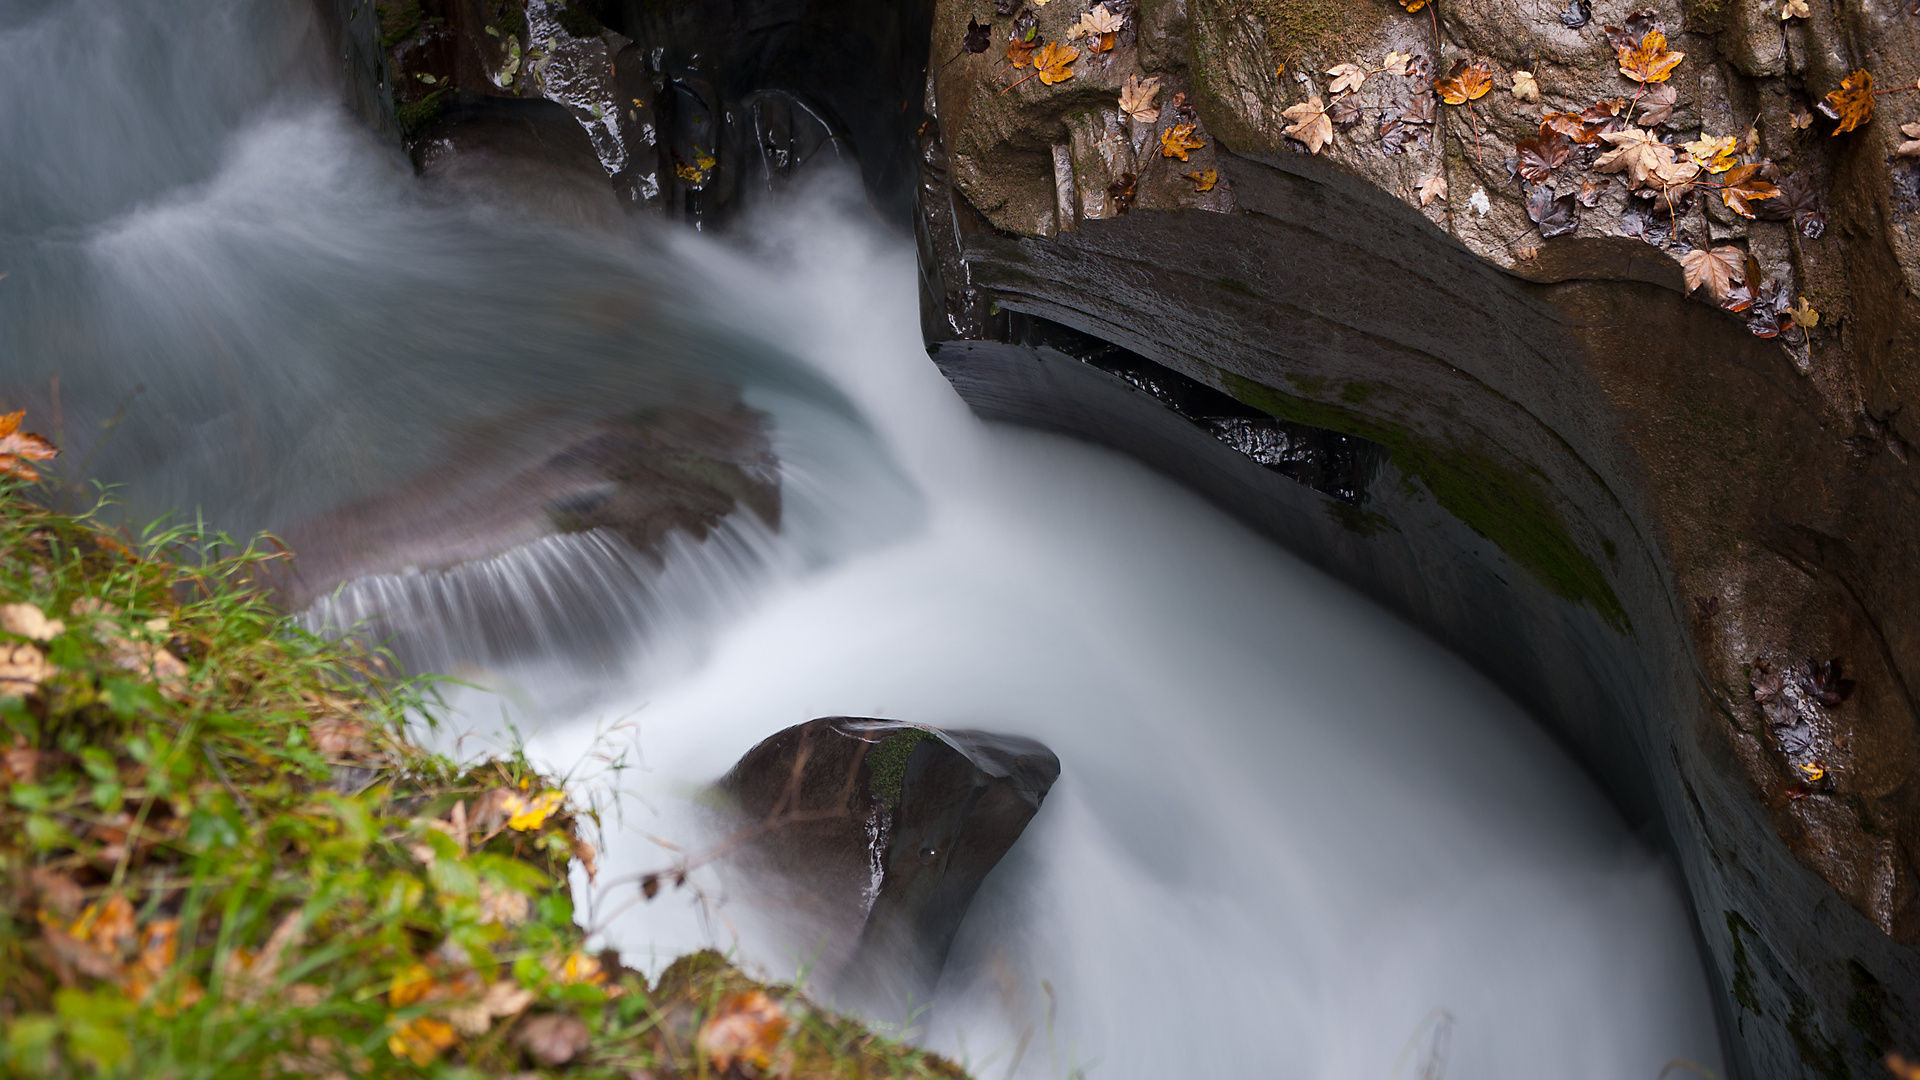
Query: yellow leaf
[[581, 968], [1649, 62], [1178, 139], [409, 985], [1052, 61], [1804, 315], [1852, 104], [1413, 5], [536, 811], [422, 1040], [1466, 82], [1204, 181]]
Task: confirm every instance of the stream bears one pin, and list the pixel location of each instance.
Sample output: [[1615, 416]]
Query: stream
[[1291, 835]]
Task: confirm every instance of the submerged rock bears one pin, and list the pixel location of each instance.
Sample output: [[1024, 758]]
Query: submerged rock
[[877, 833]]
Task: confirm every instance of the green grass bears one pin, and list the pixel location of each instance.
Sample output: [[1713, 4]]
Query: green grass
[[221, 856]]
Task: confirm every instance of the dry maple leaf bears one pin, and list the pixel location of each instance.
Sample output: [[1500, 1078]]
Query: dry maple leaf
[[1020, 50], [1637, 153], [1052, 61], [1739, 187], [1804, 315], [1099, 24], [1396, 63], [1311, 124], [1713, 152], [1525, 87], [1852, 104], [1433, 187], [19, 449], [1649, 62], [1204, 181], [1346, 77], [29, 621], [1717, 270], [1656, 105], [1137, 97], [1466, 82], [1794, 9], [746, 1027], [1536, 158], [1910, 148], [1556, 215], [1178, 139]]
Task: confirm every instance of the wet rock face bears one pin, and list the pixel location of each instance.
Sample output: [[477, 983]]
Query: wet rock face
[[1652, 526], [687, 110], [875, 835]]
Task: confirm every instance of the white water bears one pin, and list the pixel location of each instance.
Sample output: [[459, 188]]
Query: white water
[[1288, 828]]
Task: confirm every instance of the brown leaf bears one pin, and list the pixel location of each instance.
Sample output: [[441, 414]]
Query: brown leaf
[[1635, 152], [503, 999], [1538, 157], [19, 449], [1590, 192], [1556, 215], [59, 895], [1466, 82], [1136, 98], [1650, 61], [341, 736], [22, 669], [1717, 270], [746, 1027], [1346, 77], [1433, 187], [1310, 124], [1656, 105], [1178, 139], [19, 763], [409, 985], [1852, 104], [554, 1038], [1910, 148], [1121, 191], [28, 621], [503, 905], [1740, 187]]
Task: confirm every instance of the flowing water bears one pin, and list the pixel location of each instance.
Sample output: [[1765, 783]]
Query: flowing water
[[1292, 837]]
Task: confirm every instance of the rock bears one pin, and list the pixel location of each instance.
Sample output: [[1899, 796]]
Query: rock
[[878, 833], [1574, 449]]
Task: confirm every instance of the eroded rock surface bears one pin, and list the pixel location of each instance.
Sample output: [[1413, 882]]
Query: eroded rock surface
[[1607, 491], [874, 835]]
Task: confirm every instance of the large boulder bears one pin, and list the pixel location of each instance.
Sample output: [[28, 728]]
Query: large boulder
[[873, 836]]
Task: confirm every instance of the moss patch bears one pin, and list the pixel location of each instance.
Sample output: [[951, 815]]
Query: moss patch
[[887, 764], [415, 117], [398, 20], [1300, 28], [1506, 506]]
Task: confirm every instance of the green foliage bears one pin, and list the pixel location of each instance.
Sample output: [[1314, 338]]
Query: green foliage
[[221, 856], [1298, 29]]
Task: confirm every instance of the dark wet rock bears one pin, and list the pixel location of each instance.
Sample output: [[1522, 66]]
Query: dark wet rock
[[875, 835], [1575, 449]]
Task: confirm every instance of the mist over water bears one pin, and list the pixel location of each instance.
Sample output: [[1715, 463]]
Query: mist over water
[[1288, 828]]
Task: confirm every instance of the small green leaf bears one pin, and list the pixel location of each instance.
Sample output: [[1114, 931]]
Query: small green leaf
[[45, 834]]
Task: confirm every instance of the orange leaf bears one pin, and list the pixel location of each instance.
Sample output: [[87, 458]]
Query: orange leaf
[[19, 448], [747, 1027], [1178, 139], [409, 985], [1649, 62], [1052, 60], [1740, 188], [1466, 82], [1413, 5], [1019, 51], [1204, 181], [1852, 104], [421, 1040]]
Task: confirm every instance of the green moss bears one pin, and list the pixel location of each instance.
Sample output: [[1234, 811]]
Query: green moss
[[1300, 28], [1357, 392], [398, 20], [1704, 16], [416, 116], [1510, 508], [887, 764]]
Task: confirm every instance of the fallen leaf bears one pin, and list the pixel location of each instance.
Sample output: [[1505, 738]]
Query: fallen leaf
[[106, 924], [1794, 9], [1822, 683], [1020, 50], [1650, 61], [1178, 139], [1204, 181], [1121, 191], [557, 1038], [1346, 77], [1345, 111], [22, 669], [1310, 124], [1052, 61], [503, 999], [1635, 152], [536, 811], [1466, 82], [978, 37], [1717, 270], [1183, 110], [1433, 187], [18, 449], [1396, 63], [1007, 8], [502, 905], [1590, 192], [587, 856], [1419, 109], [1526, 254], [1577, 15], [421, 1040], [1798, 200], [1538, 157], [1137, 96], [28, 621], [1713, 152], [1413, 5], [1556, 215], [1524, 86], [746, 1027], [1800, 119], [1739, 187], [1910, 148], [1852, 104], [1656, 105], [1099, 24], [1804, 315], [409, 985]]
